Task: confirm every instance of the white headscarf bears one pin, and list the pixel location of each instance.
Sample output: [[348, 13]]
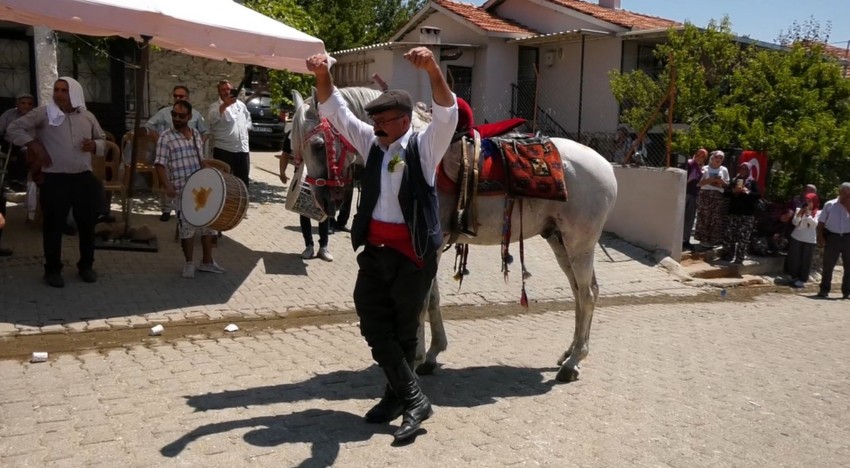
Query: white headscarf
[[55, 115]]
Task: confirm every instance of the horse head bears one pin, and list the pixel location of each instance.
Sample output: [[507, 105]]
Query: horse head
[[326, 156]]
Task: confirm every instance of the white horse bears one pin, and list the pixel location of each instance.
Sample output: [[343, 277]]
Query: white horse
[[572, 228]]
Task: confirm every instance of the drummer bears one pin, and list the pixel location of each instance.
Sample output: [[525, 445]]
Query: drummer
[[179, 153]]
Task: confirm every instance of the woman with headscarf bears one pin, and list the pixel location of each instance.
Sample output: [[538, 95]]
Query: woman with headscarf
[[801, 247], [711, 204], [743, 193]]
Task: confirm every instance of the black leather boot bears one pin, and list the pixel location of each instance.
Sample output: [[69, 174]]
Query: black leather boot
[[388, 409], [417, 408]]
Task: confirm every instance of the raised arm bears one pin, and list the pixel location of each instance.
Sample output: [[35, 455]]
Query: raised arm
[[423, 59], [320, 66]]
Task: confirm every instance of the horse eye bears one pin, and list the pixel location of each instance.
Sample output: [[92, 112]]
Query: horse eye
[[318, 145]]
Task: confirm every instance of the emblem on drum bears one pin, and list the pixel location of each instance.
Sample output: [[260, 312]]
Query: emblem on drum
[[201, 195]]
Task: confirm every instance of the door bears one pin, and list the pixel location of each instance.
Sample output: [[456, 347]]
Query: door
[[526, 88]]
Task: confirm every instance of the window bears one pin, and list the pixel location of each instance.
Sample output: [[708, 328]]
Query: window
[[460, 81]]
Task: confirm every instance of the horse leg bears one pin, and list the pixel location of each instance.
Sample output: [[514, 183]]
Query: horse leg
[[439, 342], [580, 272]]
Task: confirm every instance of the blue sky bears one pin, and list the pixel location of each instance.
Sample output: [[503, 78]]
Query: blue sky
[[759, 19]]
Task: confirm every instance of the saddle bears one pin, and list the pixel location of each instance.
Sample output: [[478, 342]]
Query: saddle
[[516, 167]]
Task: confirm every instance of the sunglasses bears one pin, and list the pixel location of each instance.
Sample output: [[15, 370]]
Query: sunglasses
[[382, 122], [180, 115]]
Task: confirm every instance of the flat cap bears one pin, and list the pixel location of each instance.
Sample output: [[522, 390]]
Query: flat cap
[[24, 96], [391, 99]]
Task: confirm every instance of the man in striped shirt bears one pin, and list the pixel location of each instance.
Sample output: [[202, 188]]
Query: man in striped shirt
[[179, 153]]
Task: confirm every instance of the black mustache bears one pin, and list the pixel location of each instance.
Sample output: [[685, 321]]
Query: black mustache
[[380, 133]]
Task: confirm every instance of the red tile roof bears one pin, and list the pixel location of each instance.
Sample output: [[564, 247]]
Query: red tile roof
[[624, 18], [837, 52], [483, 19]]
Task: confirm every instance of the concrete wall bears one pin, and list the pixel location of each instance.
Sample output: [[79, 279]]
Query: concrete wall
[[650, 208], [201, 75]]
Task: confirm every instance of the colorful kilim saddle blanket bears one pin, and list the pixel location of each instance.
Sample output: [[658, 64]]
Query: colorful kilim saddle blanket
[[534, 168]]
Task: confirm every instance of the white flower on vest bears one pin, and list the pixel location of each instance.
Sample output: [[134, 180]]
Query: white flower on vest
[[395, 164]]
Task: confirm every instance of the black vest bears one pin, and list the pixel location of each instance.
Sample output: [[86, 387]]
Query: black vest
[[417, 199]]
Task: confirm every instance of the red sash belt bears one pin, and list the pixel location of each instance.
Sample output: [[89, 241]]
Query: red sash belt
[[392, 235]]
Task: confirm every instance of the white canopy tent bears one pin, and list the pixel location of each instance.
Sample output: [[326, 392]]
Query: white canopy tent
[[214, 29]]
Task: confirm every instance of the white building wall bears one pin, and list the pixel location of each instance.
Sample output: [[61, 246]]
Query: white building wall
[[493, 77], [600, 110]]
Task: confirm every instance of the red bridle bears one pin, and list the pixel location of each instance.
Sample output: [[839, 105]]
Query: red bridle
[[335, 162]]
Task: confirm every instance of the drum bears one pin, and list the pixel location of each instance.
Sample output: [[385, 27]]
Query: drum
[[300, 197], [214, 200]]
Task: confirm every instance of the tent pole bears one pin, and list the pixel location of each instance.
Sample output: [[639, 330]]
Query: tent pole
[[141, 73]]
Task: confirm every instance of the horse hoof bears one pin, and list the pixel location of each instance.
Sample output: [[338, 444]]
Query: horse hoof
[[563, 358], [426, 368], [567, 374]]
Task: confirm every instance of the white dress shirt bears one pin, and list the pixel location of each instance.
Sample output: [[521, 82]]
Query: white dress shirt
[[434, 141], [230, 128], [835, 217]]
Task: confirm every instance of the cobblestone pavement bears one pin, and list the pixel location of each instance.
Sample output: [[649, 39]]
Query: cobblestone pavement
[[673, 379], [266, 275], [726, 383]]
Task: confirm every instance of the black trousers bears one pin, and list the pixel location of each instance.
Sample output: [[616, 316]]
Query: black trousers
[[81, 192], [240, 163], [307, 231], [798, 262], [836, 245], [388, 295]]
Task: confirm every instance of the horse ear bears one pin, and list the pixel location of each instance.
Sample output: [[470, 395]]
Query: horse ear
[[313, 93], [297, 100]]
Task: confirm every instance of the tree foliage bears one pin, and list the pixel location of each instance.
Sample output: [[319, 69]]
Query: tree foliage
[[341, 24], [792, 102]]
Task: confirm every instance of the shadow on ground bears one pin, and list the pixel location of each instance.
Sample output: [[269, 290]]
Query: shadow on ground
[[462, 388], [130, 282], [326, 430]]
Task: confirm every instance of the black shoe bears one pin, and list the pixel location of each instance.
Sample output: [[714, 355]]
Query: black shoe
[[106, 219], [823, 294], [5, 252], [417, 408], [88, 275], [846, 296], [388, 409], [54, 280], [341, 228], [165, 217]]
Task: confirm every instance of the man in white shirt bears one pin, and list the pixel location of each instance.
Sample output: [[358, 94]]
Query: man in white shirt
[[834, 236], [398, 222], [66, 136], [229, 121]]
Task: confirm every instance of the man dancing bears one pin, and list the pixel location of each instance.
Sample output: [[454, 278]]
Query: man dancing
[[398, 222]]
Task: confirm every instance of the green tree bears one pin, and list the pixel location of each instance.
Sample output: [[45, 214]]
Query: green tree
[[289, 12], [341, 24], [791, 102], [795, 105]]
